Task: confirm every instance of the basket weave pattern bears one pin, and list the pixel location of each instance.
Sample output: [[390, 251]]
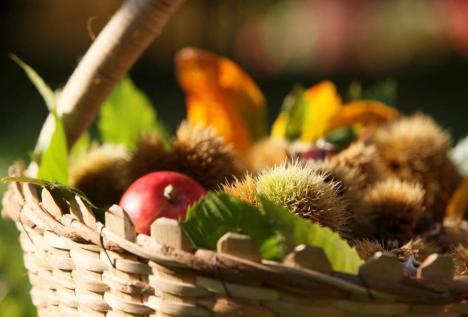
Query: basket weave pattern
[[79, 267]]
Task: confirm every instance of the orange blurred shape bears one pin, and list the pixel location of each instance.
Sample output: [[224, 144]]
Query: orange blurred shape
[[362, 111], [458, 204], [323, 102], [221, 95]]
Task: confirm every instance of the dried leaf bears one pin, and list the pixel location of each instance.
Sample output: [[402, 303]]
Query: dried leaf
[[458, 203], [220, 94], [363, 111]]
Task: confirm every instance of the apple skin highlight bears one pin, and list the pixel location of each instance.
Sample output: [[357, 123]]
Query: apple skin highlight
[[160, 194]]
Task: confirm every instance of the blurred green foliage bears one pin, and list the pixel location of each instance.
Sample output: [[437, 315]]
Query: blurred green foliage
[[14, 285]]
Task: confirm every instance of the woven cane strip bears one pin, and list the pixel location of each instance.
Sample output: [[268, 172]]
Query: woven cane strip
[[282, 308], [87, 276], [58, 256], [87, 312], [242, 298], [43, 286], [127, 281], [51, 311], [126, 273], [176, 293], [12, 202], [168, 308], [69, 311]]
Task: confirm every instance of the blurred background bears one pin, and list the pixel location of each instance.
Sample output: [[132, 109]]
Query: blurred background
[[421, 45]]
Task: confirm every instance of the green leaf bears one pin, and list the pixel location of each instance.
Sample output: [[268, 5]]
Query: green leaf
[[218, 213], [59, 191], [341, 137], [297, 230], [54, 160], [295, 105], [355, 91], [126, 114], [53, 164], [81, 146], [47, 94], [385, 91], [275, 230], [275, 247]]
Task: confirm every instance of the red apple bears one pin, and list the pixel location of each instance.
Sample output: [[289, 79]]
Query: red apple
[[159, 194]]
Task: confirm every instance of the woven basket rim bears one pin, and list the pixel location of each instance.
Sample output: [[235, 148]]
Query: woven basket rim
[[31, 212]]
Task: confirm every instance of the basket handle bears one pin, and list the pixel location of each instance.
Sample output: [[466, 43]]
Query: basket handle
[[130, 31]]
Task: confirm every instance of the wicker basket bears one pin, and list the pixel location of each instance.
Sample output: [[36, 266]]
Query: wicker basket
[[79, 266]]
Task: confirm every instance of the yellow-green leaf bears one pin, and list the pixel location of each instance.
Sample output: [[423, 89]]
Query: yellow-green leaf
[[297, 230], [278, 129], [126, 115], [53, 165], [323, 103], [81, 146], [54, 159], [290, 122]]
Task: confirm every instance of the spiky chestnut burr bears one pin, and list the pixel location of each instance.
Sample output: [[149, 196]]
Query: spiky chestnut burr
[[413, 253], [453, 233], [415, 250], [244, 189], [394, 208], [101, 174], [268, 153], [349, 182], [415, 149], [200, 153], [453, 239], [149, 155], [418, 248], [366, 248], [460, 259], [304, 192], [363, 157]]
